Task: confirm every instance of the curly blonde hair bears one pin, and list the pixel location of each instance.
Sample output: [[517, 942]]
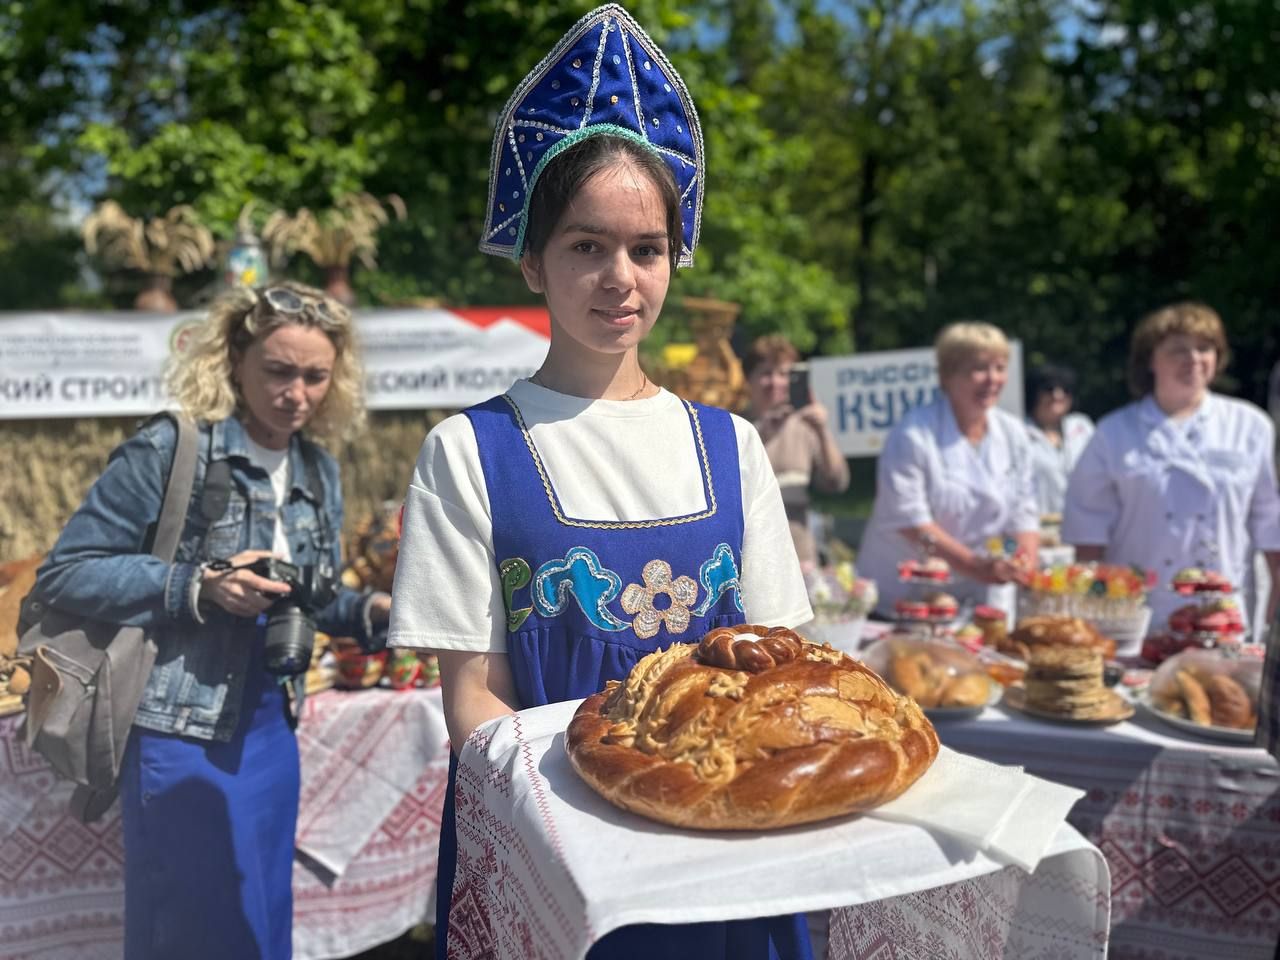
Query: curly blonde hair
[[199, 377]]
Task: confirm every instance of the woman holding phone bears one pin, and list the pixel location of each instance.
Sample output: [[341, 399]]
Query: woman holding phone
[[793, 426]]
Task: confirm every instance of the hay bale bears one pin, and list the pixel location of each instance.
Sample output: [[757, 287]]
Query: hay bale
[[51, 464], [378, 464]]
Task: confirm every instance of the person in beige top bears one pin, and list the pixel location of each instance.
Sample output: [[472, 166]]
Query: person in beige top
[[801, 448]]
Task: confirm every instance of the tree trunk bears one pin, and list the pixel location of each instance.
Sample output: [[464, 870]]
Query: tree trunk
[[337, 284], [156, 295]]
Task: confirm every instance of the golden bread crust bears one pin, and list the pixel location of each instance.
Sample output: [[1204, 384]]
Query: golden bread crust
[[749, 744], [1229, 704], [1056, 631], [1193, 694]]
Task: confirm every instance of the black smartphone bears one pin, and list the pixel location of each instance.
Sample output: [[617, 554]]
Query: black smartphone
[[798, 392]]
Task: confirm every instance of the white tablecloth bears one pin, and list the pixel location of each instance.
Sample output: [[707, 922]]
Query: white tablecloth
[[375, 764], [543, 860]]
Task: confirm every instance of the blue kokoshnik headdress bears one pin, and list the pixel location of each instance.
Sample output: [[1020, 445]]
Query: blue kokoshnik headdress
[[605, 76]]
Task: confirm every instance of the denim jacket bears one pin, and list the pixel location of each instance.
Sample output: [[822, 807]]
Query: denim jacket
[[99, 568]]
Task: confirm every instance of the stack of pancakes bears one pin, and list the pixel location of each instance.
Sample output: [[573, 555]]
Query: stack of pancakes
[[1067, 681]]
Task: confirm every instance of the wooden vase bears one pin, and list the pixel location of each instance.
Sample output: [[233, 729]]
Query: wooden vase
[[337, 284], [156, 295]]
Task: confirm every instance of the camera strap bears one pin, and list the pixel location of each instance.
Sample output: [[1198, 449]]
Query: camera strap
[[315, 484], [216, 493]]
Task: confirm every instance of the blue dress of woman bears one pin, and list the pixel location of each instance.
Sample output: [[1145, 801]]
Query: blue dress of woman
[[556, 534]]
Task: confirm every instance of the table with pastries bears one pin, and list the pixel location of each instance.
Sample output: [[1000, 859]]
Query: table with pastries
[[1190, 827], [374, 771]]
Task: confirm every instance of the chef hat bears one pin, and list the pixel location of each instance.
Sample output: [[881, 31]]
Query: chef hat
[[605, 76]]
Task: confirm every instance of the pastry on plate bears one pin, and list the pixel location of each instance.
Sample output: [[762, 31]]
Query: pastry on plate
[[1055, 631]]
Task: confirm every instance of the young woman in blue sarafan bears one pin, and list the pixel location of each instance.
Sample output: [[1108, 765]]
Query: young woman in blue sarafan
[[531, 513]]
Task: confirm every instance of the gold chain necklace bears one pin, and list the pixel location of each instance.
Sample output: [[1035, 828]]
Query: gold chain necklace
[[644, 382]]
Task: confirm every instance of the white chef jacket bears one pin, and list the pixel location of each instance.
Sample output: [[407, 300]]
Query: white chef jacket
[[930, 472], [1168, 494], [1050, 465]]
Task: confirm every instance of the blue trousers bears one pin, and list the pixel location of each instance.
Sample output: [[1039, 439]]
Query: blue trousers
[[208, 832]]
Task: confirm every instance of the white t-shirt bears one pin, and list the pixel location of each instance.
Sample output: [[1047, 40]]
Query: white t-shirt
[[606, 460], [276, 464]]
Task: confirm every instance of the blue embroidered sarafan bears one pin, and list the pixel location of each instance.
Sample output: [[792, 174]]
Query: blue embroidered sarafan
[[574, 652], [718, 576], [605, 76], [581, 576], [601, 594]]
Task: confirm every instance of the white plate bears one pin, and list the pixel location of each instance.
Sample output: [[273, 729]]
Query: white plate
[[1228, 734], [963, 713], [1119, 709]]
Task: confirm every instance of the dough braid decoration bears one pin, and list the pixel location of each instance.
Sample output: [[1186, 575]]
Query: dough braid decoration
[[746, 732], [722, 648]]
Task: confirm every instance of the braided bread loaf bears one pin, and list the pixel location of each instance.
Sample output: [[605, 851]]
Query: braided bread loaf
[[747, 734]]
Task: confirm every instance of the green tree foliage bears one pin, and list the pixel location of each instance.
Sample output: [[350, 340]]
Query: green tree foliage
[[876, 167], [38, 248], [1174, 113]]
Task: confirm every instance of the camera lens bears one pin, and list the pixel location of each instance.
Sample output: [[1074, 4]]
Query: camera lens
[[290, 636]]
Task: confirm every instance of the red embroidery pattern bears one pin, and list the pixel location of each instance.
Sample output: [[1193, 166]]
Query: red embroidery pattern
[[501, 904], [62, 882], [1190, 831], [981, 919]]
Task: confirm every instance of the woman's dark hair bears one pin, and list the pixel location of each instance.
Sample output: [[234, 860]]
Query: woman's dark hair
[[564, 176], [772, 350], [1045, 378]]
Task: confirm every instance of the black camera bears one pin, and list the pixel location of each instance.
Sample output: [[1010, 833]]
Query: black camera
[[291, 631]]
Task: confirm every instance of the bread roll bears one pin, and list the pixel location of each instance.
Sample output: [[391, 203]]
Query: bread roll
[[749, 734], [1229, 704], [967, 690], [1058, 631], [1194, 696], [916, 675]]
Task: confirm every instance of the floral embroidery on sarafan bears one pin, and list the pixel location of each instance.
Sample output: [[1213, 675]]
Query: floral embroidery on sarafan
[[718, 575], [638, 600], [580, 575], [514, 573]]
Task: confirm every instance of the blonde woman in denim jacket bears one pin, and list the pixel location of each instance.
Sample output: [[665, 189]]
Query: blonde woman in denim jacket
[[209, 786]]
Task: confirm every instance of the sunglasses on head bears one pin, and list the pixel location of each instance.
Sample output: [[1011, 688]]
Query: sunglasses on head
[[288, 302]]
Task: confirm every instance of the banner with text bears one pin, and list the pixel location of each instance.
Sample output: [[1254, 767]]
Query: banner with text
[[110, 364], [867, 393]]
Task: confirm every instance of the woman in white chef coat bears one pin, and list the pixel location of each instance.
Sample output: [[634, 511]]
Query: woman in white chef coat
[[1182, 476], [954, 474], [1057, 435]]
